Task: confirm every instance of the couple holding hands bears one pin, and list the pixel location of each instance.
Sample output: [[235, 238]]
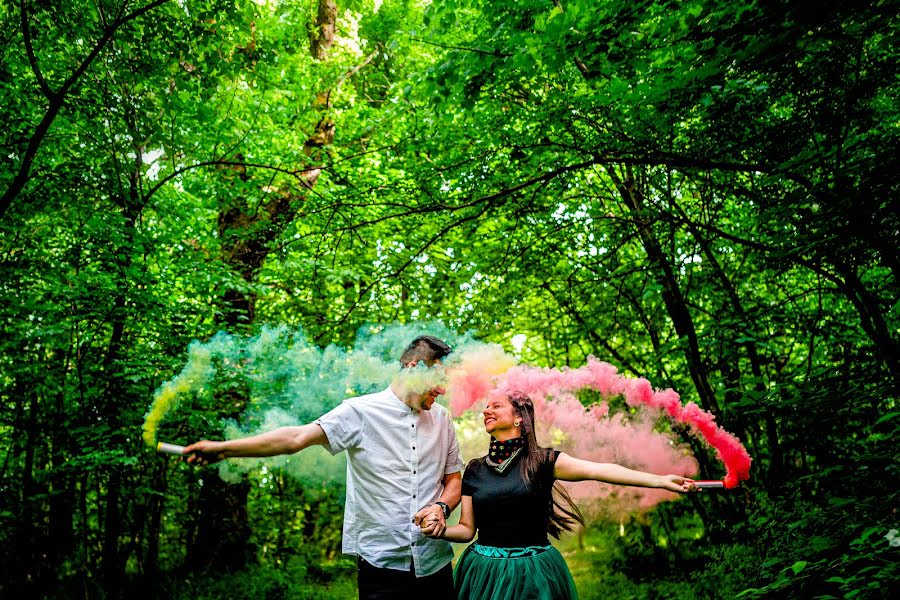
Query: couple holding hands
[[404, 478]]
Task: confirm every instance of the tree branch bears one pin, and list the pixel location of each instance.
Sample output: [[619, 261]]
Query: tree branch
[[347, 76], [298, 174], [447, 47], [107, 36], [29, 50], [57, 100], [406, 265]]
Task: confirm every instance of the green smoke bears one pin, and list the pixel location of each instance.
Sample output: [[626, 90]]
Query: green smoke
[[289, 380]]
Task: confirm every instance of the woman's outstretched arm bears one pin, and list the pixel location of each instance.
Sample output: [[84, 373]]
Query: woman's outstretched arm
[[575, 469]]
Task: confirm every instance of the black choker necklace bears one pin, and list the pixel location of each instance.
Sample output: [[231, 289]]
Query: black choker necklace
[[501, 454]]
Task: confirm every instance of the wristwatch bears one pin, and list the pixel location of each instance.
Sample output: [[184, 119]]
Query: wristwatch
[[444, 508]]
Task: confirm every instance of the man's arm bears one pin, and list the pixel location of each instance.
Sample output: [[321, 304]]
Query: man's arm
[[452, 481], [431, 518], [284, 440], [452, 490]]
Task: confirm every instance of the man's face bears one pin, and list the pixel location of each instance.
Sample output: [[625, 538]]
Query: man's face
[[426, 400]]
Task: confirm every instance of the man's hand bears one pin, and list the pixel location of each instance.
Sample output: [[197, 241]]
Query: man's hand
[[431, 521], [204, 453]]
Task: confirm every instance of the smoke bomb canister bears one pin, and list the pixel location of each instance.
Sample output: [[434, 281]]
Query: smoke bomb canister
[[164, 448], [710, 484]]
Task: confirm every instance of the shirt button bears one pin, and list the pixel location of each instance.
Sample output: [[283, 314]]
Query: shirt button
[[414, 495], [414, 472]]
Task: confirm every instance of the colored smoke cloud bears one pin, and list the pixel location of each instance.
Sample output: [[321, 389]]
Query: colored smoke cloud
[[556, 404], [288, 380], [193, 376]]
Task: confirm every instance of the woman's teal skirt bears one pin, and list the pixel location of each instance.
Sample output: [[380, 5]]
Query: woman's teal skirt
[[536, 572]]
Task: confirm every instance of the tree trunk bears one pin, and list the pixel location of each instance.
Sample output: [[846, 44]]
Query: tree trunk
[[727, 368], [872, 321], [222, 531], [321, 36], [672, 296]]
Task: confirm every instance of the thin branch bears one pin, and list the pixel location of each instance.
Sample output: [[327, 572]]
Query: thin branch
[[107, 36], [347, 76], [567, 305], [29, 50], [297, 174], [583, 68], [101, 12], [484, 199], [406, 265], [447, 47]]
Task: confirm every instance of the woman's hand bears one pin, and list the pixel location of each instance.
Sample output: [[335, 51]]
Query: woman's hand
[[677, 483], [431, 521], [433, 528]]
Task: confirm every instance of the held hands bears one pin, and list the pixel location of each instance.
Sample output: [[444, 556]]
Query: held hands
[[204, 453], [677, 483], [431, 521]]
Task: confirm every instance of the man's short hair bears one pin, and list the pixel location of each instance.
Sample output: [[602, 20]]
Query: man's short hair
[[425, 348]]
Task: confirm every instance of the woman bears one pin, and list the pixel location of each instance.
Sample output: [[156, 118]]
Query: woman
[[512, 499]]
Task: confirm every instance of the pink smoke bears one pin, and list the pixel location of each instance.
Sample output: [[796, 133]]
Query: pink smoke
[[591, 432]]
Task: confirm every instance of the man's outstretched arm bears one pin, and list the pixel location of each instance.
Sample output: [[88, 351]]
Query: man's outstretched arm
[[284, 440]]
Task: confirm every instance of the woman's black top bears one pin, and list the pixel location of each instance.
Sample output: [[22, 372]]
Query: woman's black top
[[510, 513]]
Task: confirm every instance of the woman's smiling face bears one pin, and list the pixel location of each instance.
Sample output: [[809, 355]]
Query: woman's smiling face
[[500, 418]]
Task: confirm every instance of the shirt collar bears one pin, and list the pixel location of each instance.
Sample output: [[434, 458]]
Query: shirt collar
[[394, 400]]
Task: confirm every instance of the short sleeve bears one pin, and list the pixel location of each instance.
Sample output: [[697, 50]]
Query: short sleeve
[[468, 489], [343, 426], [550, 465], [454, 462]]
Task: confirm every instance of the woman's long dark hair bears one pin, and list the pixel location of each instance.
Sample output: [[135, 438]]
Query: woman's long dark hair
[[564, 515]]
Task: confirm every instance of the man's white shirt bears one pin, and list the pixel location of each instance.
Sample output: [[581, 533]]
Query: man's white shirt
[[397, 458]]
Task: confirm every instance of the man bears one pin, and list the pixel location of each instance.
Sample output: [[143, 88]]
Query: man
[[403, 471]]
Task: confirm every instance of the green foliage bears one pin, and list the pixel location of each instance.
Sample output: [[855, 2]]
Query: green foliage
[[288, 582], [819, 553]]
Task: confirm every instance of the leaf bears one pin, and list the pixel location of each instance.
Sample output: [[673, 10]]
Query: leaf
[[866, 535], [840, 501], [888, 417], [798, 566]]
